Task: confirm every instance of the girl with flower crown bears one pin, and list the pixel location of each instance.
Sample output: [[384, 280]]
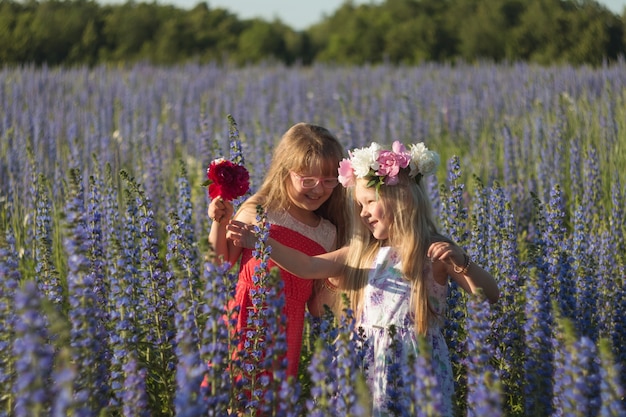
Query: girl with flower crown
[[306, 211], [396, 267]]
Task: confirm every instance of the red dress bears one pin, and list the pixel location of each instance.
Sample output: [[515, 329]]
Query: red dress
[[310, 240]]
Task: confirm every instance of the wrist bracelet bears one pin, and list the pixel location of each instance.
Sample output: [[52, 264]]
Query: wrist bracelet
[[466, 264], [329, 285]]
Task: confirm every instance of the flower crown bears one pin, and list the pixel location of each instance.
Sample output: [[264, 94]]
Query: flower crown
[[382, 166]]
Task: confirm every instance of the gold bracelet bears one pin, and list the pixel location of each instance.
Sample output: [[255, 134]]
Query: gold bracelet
[[465, 267]]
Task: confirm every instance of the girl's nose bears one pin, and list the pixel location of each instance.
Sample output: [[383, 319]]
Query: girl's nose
[[318, 189]]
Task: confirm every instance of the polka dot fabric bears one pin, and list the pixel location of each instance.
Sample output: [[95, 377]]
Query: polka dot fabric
[[297, 290]]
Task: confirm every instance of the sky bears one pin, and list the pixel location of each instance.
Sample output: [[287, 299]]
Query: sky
[[300, 14]]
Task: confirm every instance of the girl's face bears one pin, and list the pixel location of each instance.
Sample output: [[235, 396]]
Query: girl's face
[[372, 212], [309, 189]]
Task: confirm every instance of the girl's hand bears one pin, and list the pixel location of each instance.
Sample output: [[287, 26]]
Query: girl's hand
[[447, 252], [466, 273], [220, 209], [241, 234]]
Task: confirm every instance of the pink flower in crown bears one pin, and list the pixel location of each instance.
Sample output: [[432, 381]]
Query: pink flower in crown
[[389, 167], [403, 156], [390, 163], [346, 173]]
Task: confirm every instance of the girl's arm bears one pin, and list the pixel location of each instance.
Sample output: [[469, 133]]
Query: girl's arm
[[459, 266], [308, 267], [221, 211]]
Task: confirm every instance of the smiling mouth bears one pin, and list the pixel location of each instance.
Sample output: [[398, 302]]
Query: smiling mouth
[[313, 197]]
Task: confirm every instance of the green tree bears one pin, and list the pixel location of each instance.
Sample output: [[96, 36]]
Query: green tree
[[129, 32], [10, 14], [418, 32], [215, 33], [261, 41], [356, 35], [539, 34]]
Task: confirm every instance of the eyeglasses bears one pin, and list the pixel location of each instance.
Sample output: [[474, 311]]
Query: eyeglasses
[[311, 182]]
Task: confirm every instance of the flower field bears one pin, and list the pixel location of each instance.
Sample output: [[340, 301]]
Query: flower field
[[110, 304]]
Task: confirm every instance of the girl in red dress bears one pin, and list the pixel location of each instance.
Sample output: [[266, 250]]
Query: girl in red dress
[[306, 211]]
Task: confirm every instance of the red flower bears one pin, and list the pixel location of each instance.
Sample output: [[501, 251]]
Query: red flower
[[227, 179]]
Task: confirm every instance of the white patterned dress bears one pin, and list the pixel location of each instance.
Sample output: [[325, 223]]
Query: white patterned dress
[[386, 302]]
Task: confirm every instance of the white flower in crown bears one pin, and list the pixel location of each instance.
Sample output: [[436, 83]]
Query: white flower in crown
[[365, 159], [423, 161]]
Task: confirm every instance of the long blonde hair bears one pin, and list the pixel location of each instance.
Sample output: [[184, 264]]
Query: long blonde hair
[[410, 233], [304, 146]]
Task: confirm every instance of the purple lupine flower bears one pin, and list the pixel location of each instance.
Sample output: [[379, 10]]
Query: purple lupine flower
[[323, 388], [538, 352], [454, 213], [507, 330], [188, 400], [218, 340], [509, 173], [576, 183], [557, 255], [587, 285], [454, 222], [135, 396], [483, 393], [153, 167], [426, 393], [399, 382], [46, 273], [577, 376], [182, 257], [609, 292], [189, 256], [33, 353], [617, 221], [99, 288], [190, 368], [287, 399], [348, 367], [592, 188], [432, 186], [236, 151], [110, 221], [455, 336], [153, 292], [611, 389], [9, 281], [122, 301], [263, 357], [85, 311], [94, 227], [64, 401], [618, 335], [336, 368], [274, 325], [152, 280], [538, 326], [483, 232]]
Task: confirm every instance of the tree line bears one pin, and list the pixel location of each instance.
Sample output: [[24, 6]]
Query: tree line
[[405, 32]]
